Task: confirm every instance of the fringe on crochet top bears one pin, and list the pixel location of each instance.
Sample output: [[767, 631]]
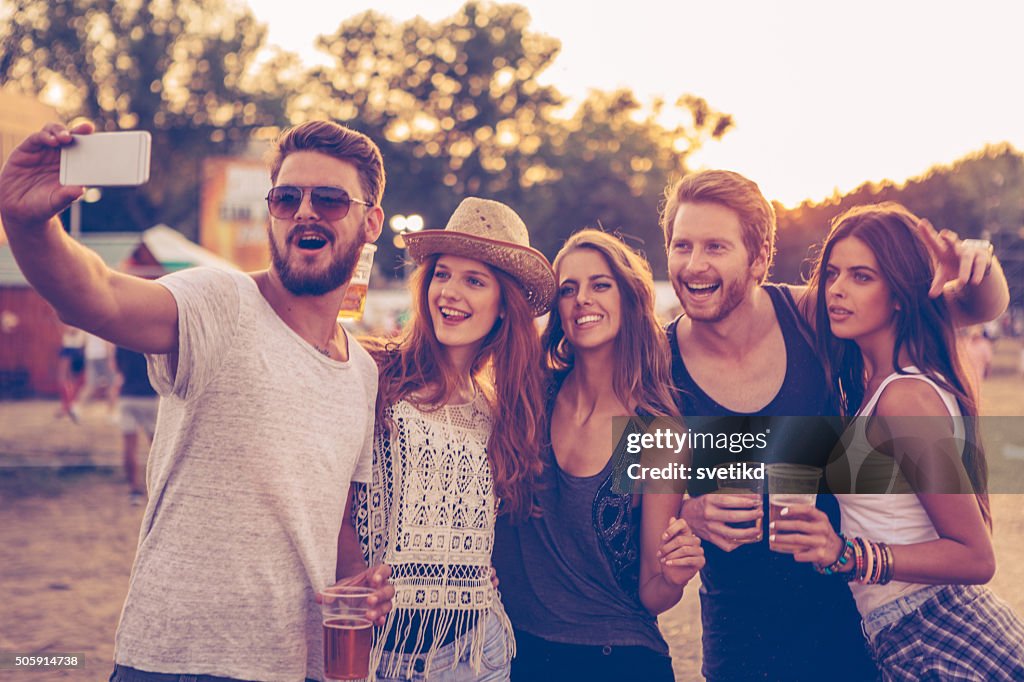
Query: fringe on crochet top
[[430, 515]]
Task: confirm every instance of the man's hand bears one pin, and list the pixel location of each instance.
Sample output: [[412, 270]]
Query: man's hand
[[958, 262], [710, 515], [30, 189], [379, 602]]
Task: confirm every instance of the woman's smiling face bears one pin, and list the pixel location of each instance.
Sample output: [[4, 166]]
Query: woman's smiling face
[[589, 300], [464, 297]]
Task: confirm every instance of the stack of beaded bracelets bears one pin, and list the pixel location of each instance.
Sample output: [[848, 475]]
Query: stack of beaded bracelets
[[872, 562]]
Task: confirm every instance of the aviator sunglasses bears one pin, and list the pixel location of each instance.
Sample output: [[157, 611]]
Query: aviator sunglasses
[[330, 203]]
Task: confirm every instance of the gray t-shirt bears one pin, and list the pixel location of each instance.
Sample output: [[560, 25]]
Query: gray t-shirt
[[258, 438]]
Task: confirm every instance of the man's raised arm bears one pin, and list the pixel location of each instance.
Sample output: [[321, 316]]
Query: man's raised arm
[[129, 311]]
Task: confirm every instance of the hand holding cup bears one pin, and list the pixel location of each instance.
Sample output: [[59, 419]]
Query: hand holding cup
[[350, 608], [810, 537], [715, 517], [378, 602], [789, 486]]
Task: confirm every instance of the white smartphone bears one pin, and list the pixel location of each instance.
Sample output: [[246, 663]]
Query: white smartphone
[[106, 159]]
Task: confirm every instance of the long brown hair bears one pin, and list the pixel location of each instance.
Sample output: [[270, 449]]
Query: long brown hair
[[924, 325], [506, 368], [643, 368]]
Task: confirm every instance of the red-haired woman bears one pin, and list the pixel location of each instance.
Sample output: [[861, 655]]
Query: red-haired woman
[[458, 441]]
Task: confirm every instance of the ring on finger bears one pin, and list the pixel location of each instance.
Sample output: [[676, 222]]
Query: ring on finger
[[979, 244]]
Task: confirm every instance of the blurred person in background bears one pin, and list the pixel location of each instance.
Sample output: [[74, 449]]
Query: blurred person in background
[[70, 370], [139, 402], [101, 377], [976, 347]]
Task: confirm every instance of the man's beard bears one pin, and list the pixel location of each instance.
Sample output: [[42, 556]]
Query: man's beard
[[308, 282], [733, 294]]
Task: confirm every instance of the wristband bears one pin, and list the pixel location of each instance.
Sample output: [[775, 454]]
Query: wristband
[[844, 558], [890, 565], [869, 562]]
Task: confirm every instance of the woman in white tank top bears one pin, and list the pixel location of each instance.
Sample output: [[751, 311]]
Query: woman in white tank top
[[914, 549]]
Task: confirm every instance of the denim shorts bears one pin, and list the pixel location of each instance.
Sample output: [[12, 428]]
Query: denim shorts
[[495, 666], [893, 611]]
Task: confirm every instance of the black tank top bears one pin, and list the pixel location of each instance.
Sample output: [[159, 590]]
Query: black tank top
[[765, 616], [804, 391]]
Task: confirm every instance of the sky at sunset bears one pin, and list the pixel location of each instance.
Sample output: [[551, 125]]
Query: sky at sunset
[[825, 95]]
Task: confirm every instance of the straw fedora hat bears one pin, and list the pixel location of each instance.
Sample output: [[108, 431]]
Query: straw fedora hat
[[493, 233]]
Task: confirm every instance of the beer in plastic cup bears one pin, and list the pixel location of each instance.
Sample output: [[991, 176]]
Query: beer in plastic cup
[[354, 303], [789, 484], [742, 486], [348, 633]]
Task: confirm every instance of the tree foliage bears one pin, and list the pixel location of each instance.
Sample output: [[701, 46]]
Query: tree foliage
[[183, 70], [459, 109], [458, 106], [978, 196]]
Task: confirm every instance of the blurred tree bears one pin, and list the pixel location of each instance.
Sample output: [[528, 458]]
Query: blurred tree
[[184, 70], [609, 164], [458, 110], [978, 196]]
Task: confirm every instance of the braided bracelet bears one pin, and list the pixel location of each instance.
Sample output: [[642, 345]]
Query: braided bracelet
[[841, 560]]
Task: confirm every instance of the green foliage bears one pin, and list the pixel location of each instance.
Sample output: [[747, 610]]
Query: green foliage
[[978, 196], [459, 110], [457, 106], [183, 70]]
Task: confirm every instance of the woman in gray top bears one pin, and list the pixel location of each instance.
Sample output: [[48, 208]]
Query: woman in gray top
[[586, 578]]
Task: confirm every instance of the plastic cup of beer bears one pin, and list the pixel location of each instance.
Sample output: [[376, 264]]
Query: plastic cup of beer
[[348, 633], [354, 303], [735, 485], [789, 484]]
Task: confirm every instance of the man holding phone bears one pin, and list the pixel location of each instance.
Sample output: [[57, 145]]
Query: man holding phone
[[266, 410]]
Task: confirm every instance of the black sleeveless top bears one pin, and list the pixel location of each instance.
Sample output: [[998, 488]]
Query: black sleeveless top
[[765, 616]]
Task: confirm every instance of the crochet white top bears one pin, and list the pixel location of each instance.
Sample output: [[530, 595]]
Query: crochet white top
[[432, 511]]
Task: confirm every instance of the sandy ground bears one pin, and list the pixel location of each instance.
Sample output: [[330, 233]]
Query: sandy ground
[[68, 535]]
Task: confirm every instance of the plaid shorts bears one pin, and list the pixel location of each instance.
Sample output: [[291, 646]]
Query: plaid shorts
[[964, 632]]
